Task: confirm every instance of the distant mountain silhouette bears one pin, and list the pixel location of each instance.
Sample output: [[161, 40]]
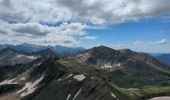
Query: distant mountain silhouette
[[164, 58], [29, 48]]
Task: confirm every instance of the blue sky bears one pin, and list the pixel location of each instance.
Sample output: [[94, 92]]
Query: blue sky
[[125, 35], [140, 25]]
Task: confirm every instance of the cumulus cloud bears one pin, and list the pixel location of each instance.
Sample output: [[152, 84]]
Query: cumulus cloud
[[89, 38], [72, 28], [36, 33], [19, 19], [94, 11], [66, 41], [31, 28], [114, 11], [11, 10], [162, 42], [3, 32], [155, 43]]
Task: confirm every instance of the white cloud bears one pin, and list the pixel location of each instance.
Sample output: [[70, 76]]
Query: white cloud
[[156, 46], [94, 11], [137, 43], [34, 29], [89, 37], [115, 11], [25, 16], [72, 28], [151, 43], [36, 33], [162, 42], [11, 10]]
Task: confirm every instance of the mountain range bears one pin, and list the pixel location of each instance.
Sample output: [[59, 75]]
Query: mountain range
[[98, 73], [29, 48], [164, 58]]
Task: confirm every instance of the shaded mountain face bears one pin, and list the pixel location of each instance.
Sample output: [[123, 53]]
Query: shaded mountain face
[[99, 56], [48, 79], [120, 65], [47, 53], [9, 56], [164, 58], [103, 57]]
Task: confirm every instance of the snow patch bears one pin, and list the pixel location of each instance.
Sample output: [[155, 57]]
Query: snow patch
[[19, 56], [77, 94], [80, 77], [8, 82], [37, 64], [68, 97], [119, 64], [70, 75], [113, 95], [92, 77], [106, 66], [109, 65], [23, 79], [30, 57], [83, 55], [60, 79], [133, 89], [30, 87]]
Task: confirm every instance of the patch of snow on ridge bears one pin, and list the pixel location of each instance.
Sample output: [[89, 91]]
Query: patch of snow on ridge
[[70, 75], [68, 97], [60, 79], [106, 66], [18, 56], [83, 55], [113, 95], [23, 79], [109, 65], [133, 89], [30, 87], [32, 57], [80, 77], [77, 94], [119, 64], [22, 56], [8, 82]]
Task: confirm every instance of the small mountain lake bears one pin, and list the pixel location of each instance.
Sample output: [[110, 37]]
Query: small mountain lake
[[161, 98]]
